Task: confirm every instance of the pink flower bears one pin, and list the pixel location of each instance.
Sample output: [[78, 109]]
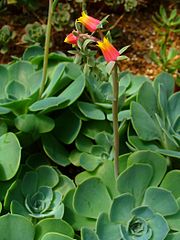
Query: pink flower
[[110, 53], [89, 22], [71, 39]]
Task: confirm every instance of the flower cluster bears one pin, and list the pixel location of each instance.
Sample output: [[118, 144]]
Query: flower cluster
[[109, 52]]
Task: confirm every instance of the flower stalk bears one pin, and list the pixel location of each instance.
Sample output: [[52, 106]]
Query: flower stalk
[[52, 5], [115, 118]]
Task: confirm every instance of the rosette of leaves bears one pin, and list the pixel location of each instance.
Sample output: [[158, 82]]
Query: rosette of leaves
[[61, 17], [142, 204], [35, 196], [166, 26], [6, 35], [20, 84], [34, 34], [91, 152], [155, 117]]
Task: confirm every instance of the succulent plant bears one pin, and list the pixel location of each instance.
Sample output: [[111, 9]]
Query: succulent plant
[[35, 196], [6, 35], [130, 4], [155, 117], [61, 17], [132, 207], [128, 208], [35, 34]]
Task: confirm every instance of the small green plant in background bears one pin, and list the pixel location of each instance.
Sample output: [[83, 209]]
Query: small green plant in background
[[129, 5], [155, 117], [168, 57], [34, 34], [6, 35], [62, 16]]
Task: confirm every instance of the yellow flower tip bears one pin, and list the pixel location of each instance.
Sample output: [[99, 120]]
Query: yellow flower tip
[[100, 45], [66, 40], [83, 18]]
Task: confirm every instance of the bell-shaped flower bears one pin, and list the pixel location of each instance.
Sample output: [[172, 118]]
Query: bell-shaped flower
[[71, 39], [89, 22], [110, 53]]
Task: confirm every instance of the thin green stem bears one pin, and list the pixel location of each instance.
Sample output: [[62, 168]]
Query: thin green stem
[[83, 5], [46, 50], [115, 118]]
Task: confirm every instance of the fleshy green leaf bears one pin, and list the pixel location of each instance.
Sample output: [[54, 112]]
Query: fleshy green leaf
[[161, 201], [47, 176], [67, 127], [171, 182], [15, 227], [55, 150], [91, 197], [10, 155], [147, 98], [72, 217], [29, 177], [89, 161], [135, 180], [173, 236], [106, 173], [55, 236], [121, 208], [106, 229], [88, 234], [53, 225], [143, 123], [4, 76], [34, 123], [159, 226], [91, 111], [66, 98], [19, 71], [173, 107], [166, 80], [157, 162]]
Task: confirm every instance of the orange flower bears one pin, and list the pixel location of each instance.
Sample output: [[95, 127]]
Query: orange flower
[[110, 53], [89, 22], [71, 39]]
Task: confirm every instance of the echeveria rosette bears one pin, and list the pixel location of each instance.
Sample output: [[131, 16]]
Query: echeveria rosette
[[35, 196], [90, 154], [141, 209], [141, 222]]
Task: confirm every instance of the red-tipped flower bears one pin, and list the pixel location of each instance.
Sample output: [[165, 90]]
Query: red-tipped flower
[[71, 39], [89, 22], [110, 53]]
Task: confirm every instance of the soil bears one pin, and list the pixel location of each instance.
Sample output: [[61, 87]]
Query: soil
[[136, 29]]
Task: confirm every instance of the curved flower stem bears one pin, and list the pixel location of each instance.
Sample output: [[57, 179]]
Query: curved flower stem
[[47, 43], [115, 118]]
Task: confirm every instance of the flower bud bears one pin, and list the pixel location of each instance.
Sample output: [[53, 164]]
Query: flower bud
[[71, 39]]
